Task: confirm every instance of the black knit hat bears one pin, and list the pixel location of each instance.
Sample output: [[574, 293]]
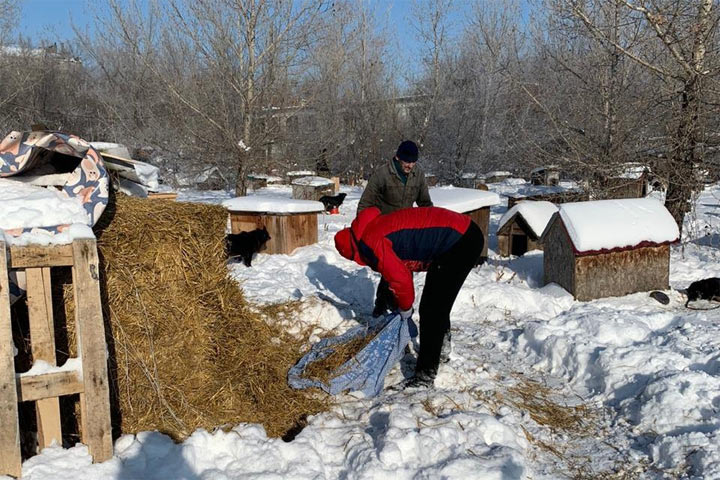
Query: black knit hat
[[407, 152]]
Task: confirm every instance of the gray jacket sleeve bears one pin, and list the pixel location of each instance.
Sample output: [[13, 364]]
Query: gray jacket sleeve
[[372, 193], [423, 199]]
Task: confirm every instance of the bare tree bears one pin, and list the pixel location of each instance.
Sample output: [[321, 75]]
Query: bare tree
[[222, 64], [433, 23], [685, 32]]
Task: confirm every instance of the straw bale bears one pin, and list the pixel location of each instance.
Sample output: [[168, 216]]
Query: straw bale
[[187, 350]]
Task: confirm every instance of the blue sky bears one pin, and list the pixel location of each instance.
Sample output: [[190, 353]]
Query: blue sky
[[51, 19]]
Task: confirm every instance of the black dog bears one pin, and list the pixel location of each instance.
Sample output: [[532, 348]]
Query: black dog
[[333, 202], [706, 289], [246, 244]]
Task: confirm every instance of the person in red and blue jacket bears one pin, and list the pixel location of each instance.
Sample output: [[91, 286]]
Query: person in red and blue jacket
[[443, 243]]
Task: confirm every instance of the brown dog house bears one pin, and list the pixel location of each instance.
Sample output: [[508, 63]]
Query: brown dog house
[[312, 188], [472, 202], [548, 175], [497, 176], [290, 223], [609, 248], [520, 228]]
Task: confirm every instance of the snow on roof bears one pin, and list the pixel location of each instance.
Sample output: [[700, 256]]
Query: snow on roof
[[612, 224], [536, 214], [633, 171], [469, 175], [546, 167], [498, 173], [272, 204], [27, 206], [264, 176], [462, 200], [299, 173], [312, 181]]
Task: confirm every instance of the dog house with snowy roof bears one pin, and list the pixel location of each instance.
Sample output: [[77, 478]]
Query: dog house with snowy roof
[[290, 223], [522, 225], [547, 175], [609, 248], [312, 188], [472, 202]]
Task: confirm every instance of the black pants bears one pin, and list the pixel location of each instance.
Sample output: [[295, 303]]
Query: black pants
[[384, 298], [445, 277]]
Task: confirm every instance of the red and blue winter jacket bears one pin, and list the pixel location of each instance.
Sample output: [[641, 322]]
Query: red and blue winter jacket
[[401, 242]]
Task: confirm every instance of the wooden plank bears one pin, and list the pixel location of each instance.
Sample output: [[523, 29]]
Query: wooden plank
[[95, 401], [10, 460], [641, 269], [301, 231], [48, 385], [246, 222], [312, 192], [503, 244], [36, 256], [162, 195], [481, 216], [42, 342], [558, 260]]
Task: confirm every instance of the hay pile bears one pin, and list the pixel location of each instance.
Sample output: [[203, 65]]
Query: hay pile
[[189, 351]]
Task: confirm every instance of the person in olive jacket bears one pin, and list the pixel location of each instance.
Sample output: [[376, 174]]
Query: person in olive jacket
[[398, 184]]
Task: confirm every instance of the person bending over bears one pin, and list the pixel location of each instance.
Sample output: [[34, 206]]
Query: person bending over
[[443, 243]]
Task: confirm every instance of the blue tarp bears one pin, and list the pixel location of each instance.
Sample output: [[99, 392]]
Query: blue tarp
[[366, 371]]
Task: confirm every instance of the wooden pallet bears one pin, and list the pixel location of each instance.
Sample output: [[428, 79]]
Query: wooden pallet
[[91, 382]]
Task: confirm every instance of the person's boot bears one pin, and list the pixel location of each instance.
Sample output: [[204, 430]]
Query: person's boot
[[446, 348], [421, 380]]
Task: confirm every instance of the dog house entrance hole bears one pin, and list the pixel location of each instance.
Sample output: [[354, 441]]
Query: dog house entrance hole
[[519, 245]]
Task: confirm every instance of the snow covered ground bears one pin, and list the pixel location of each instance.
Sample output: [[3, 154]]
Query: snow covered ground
[[539, 386]]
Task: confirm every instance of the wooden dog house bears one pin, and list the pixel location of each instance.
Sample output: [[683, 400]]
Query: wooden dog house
[[522, 225], [472, 202], [256, 181], [312, 188], [608, 248], [548, 175], [295, 174], [497, 176], [290, 223], [629, 180]]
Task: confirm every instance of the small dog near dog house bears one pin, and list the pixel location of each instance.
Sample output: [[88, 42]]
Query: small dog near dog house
[[332, 202], [246, 244], [705, 289]]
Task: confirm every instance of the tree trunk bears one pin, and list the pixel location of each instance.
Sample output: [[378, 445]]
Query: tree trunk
[[610, 101], [240, 180], [682, 177]]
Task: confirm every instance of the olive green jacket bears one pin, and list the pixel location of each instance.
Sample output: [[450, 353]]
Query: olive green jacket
[[386, 190]]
